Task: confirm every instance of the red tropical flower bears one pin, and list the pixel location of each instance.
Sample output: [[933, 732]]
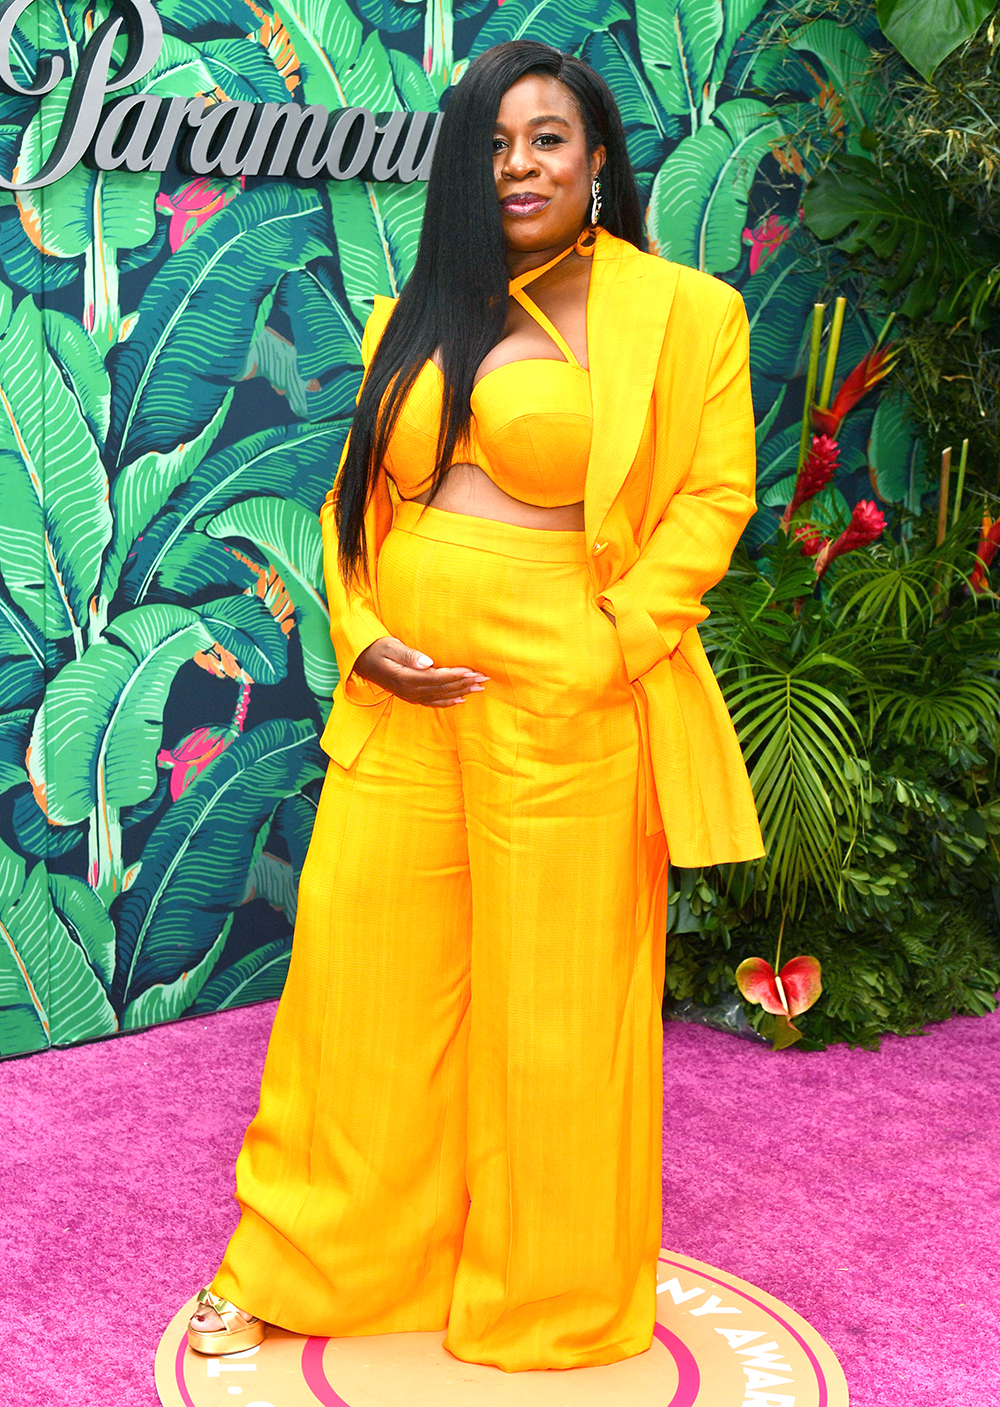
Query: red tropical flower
[[868, 372], [818, 468], [764, 239], [988, 543], [785, 994], [867, 524], [811, 541]]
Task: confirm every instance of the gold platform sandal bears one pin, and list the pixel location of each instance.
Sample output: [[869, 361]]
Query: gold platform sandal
[[237, 1335]]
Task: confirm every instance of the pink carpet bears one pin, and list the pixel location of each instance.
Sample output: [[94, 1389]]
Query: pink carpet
[[860, 1188]]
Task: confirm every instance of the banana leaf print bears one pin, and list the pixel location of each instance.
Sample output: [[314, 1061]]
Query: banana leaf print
[[178, 368], [289, 537], [23, 652], [34, 834], [49, 992], [550, 21], [326, 338], [295, 461], [698, 205], [53, 484], [96, 735], [201, 310], [196, 862], [377, 228], [650, 129], [15, 729], [257, 977]]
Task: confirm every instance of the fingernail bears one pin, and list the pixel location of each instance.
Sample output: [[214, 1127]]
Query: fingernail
[[483, 678], [423, 661], [477, 689]]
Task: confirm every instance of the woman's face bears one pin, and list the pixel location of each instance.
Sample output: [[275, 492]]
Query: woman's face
[[541, 166]]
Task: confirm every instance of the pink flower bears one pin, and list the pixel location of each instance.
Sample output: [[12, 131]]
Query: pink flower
[[195, 203], [192, 755], [866, 525], [819, 467], [764, 239]]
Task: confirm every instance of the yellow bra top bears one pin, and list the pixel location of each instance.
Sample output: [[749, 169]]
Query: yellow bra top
[[531, 420]]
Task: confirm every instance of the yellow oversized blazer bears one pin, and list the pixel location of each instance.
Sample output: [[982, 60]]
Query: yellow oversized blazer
[[669, 489]]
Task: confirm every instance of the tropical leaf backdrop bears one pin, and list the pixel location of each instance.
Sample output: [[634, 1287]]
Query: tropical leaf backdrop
[[178, 362]]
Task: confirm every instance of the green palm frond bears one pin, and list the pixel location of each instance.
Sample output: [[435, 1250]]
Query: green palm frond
[[945, 714], [809, 781], [880, 589]]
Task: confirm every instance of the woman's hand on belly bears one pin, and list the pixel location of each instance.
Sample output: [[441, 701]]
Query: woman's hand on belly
[[468, 489], [411, 675]]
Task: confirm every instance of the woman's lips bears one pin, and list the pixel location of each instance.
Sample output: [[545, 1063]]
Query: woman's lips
[[525, 204]]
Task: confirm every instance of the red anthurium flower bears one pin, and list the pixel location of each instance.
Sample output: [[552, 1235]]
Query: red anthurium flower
[[790, 992], [818, 468], [866, 525], [988, 543], [785, 994], [868, 372]]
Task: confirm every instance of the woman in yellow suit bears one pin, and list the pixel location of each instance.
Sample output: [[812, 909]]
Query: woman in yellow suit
[[460, 1118]]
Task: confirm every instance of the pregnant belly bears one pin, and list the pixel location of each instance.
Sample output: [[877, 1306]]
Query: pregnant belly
[[468, 489]]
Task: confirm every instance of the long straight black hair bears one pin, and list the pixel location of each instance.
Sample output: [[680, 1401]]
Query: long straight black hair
[[455, 299]]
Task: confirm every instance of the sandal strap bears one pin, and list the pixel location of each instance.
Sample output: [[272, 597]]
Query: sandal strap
[[231, 1315]]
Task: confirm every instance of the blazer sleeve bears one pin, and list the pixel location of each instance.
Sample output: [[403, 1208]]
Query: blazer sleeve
[[689, 550], [354, 617]]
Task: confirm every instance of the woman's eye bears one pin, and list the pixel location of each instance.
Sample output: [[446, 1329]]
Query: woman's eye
[[551, 139]]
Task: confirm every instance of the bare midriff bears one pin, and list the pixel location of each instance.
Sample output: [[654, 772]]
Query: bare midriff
[[468, 489]]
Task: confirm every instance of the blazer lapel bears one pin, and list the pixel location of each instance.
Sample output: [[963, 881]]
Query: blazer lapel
[[626, 322]]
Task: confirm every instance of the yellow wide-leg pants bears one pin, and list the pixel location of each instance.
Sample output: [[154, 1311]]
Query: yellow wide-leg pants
[[460, 1118]]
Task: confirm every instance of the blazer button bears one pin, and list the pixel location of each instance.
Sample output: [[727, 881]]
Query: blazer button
[[599, 548]]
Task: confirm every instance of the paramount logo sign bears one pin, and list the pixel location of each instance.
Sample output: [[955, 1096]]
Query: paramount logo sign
[[140, 132]]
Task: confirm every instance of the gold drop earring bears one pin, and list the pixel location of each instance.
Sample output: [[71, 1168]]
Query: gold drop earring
[[595, 200]]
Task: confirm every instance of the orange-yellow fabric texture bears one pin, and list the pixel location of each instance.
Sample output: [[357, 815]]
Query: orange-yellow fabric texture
[[461, 1107], [669, 488], [460, 1118], [531, 421]]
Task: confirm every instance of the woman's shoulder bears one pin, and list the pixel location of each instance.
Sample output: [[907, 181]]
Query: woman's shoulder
[[704, 291], [382, 309], [687, 287]]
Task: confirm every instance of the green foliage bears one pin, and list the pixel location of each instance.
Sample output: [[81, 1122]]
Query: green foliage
[[48, 989], [202, 307], [927, 31], [877, 979], [948, 267], [892, 877], [914, 210]]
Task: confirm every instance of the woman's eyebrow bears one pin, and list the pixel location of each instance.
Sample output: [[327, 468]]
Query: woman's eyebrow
[[538, 121]]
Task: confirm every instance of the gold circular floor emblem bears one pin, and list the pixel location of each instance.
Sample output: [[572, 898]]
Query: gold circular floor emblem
[[719, 1342]]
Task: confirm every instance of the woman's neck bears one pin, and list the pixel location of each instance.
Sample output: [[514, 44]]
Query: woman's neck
[[523, 261]]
